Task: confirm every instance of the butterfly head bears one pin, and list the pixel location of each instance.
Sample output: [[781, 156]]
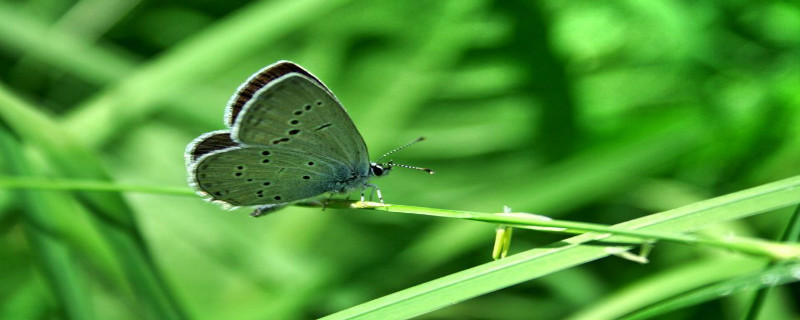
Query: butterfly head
[[380, 169]]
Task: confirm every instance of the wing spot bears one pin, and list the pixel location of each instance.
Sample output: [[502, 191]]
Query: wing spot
[[311, 163], [238, 174], [264, 153], [250, 180], [308, 107], [298, 112], [260, 192], [323, 126], [294, 121], [239, 167], [266, 183], [218, 194], [277, 197], [277, 141], [265, 161], [319, 102], [306, 177], [294, 131]]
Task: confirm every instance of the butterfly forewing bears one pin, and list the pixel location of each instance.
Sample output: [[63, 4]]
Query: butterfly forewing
[[294, 112], [259, 80]]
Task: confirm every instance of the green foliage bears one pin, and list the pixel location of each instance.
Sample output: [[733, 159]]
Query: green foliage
[[585, 111]]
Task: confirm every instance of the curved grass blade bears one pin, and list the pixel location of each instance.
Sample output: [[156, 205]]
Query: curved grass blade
[[538, 262], [112, 216], [58, 264], [774, 276]]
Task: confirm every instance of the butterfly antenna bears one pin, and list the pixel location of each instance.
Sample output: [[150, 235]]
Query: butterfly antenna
[[400, 148], [392, 164]]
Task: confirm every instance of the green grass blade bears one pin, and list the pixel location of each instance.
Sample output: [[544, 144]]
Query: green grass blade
[[113, 217], [59, 266], [792, 235], [64, 51], [200, 57], [64, 274], [26, 303], [770, 277], [89, 185], [665, 285], [535, 263]]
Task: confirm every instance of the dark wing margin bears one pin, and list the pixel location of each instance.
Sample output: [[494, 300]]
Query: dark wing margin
[[259, 80], [209, 142]]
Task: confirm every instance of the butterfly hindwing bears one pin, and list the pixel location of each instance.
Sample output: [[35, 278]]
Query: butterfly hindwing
[[209, 142], [245, 176]]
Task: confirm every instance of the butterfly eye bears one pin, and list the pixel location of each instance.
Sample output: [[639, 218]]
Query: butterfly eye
[[378, 170]]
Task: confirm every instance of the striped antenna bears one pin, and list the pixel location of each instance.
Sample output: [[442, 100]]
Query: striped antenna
[[392, 164], [401, 148]]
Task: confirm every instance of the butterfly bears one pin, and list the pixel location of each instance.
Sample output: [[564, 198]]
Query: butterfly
[[289, 139]]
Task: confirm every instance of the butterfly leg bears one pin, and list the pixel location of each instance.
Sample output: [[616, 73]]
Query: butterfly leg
[[325, 203], [267, 209], [375, 190]]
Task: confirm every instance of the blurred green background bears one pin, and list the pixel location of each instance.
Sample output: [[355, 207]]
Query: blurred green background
[[580, 110]]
